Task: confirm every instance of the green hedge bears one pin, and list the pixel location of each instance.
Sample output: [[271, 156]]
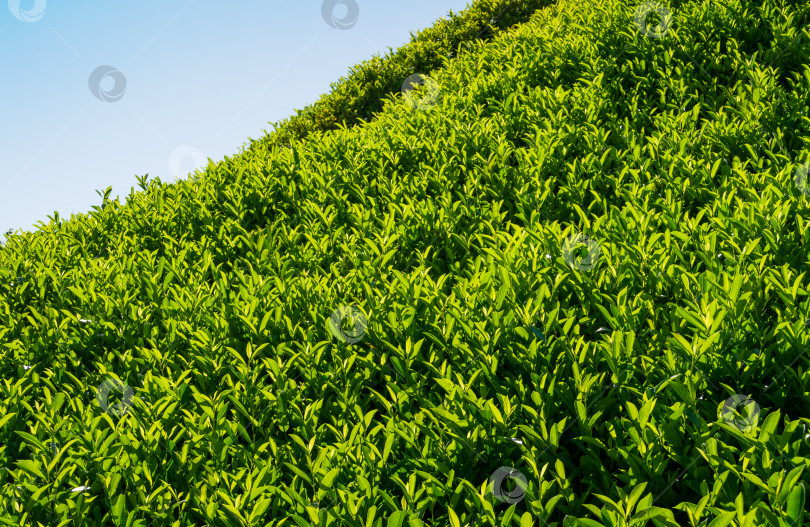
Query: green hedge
[[606, 379]]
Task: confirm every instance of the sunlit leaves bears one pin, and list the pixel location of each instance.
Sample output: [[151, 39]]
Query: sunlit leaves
[[482, 345]]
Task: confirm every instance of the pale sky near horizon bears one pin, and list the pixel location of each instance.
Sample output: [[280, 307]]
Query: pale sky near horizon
[[96, 93]]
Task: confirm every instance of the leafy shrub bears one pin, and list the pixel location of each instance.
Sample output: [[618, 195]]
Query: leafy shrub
[[660, 376], [356, 98]]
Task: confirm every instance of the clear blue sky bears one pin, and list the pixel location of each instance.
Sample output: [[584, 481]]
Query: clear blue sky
[[200, 78]]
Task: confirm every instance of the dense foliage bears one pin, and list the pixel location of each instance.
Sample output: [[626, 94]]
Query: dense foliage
[[356, 98], [571, 290]]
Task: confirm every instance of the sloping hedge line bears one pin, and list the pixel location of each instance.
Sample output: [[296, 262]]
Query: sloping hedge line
[[358, 96], [584, 271]]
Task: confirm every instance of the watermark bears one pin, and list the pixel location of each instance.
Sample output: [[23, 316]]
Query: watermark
[[109, 94], [103, 395], [426, 102], [662, 28], [741, 411], [355, 316], [330, 10], [33, 14], [800, 177], [572, 252], [178, 164], [496, 485]]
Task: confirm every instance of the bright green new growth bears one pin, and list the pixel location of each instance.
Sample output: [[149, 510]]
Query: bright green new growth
[[576, 288]]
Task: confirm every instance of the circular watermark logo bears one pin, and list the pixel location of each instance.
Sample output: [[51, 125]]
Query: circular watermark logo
[[103, 395], [429, 100], [497, 483], [353, 316], [107, 94], [185, 159], [800, 177], [32, 14], [581, 252], [741, 411], [645, 10], [331, 12]]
